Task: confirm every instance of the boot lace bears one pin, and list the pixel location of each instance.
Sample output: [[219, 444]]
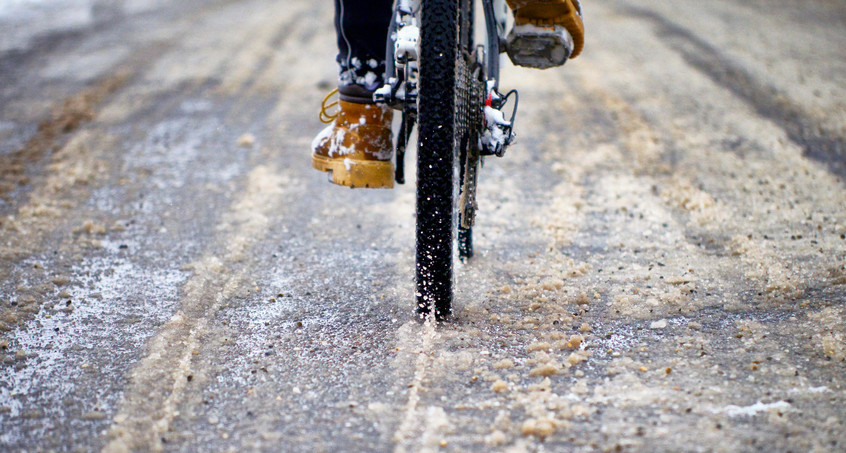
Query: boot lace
[[325, 116]]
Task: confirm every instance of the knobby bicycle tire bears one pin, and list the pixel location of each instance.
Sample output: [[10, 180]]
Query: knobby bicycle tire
[[442, 124]]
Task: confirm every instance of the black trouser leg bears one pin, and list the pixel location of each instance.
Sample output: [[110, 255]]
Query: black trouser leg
[[362, 29]]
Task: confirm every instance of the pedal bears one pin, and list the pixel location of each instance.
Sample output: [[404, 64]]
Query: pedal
[[539, 47]]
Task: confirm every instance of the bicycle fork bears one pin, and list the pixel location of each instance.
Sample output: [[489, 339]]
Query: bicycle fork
[[401, 86]]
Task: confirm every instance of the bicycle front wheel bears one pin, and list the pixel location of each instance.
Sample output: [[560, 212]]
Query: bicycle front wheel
[[440, 125]]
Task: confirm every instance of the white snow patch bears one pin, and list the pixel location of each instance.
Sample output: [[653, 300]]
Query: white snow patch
[[385, 154], [322, 136], [7, 126], [755, 409], [23, 20], [821, 389], [168, 151], [406, 42], [369, 78], [660, 324], [196, 105], [109, 292]]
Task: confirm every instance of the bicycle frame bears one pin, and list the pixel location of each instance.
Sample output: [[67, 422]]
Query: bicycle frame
[[400, 90], [402, 44]]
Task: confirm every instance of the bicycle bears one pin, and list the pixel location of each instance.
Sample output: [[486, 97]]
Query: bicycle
[[448, 87]]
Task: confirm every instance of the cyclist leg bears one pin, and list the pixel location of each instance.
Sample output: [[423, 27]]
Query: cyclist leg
[[362, 29]]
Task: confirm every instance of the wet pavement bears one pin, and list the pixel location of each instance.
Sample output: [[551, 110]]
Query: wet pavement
[[661, 255]]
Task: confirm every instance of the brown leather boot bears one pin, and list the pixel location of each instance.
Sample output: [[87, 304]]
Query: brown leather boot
[[356, 148], [546, 33]]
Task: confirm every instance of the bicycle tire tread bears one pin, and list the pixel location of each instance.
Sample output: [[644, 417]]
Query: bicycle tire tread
[[435, 175]]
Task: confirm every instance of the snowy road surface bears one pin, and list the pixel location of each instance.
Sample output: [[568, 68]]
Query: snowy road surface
[[661, 257]]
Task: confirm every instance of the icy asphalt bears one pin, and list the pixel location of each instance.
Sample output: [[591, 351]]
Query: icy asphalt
[[661, 255]]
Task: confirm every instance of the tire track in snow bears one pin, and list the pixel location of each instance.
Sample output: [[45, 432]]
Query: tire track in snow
[[419, 341], [157, 383], [416, 342]]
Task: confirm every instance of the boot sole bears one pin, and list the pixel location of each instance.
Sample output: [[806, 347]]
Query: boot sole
[[550, 13], [539, 47], [368, 174]]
